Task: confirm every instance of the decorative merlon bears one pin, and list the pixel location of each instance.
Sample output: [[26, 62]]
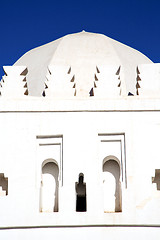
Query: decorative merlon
[[13, 83], [60, 82], [148, 80], [107, 81]]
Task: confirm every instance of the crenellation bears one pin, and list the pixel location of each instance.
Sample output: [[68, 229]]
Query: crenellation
[[58, 79], [106, 84], [14, 82]]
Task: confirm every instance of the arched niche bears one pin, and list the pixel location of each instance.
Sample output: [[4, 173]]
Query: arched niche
[[112, 184], [49, 186], [81, 201]]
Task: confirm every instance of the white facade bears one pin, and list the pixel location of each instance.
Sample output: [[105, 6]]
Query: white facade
[[80, 133]]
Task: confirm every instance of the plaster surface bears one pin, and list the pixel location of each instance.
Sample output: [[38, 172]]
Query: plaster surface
[[82, 105]]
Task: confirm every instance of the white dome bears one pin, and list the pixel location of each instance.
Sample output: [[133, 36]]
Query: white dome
[[83, 52]]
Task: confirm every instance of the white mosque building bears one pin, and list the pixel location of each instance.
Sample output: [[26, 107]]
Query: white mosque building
[[80, 142]]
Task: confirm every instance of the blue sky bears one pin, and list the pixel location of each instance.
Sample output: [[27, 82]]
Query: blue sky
[[28, 24]]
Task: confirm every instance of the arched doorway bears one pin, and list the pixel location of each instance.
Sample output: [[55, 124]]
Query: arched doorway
[[49, 186], [111, 185], [81, 205]]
